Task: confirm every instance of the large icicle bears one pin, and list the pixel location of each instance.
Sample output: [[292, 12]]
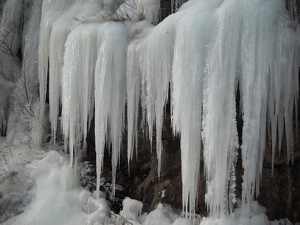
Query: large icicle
[[187, 93], [134, 86], [133, 93], [268, 86], [78, 84], [219, 113], [110, 94], [60, 31], [156, 56], [51, 11]]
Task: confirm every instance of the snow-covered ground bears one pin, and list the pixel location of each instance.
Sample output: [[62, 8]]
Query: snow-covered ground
[[39, 188]]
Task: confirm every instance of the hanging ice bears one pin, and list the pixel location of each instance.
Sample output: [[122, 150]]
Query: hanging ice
[[269, 85], [51, 11], [202, 55], [60, 31], [110, 94]]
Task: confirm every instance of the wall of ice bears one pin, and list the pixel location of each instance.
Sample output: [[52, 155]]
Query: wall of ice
[[97, 60]]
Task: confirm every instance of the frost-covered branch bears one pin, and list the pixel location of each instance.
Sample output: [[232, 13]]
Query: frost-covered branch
[[9, 36]]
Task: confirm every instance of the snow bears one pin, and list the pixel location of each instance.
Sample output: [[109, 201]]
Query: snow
[[83, 198], [99, 64], [48, 192]]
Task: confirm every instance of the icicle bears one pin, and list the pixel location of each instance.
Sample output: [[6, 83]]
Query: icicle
[[187, 94], [78, 83], [267, 83], [133, 93], [156, 61], [60, 31], [51, 11], [254, 88], [134, 85], [110, 94], [219, 113]]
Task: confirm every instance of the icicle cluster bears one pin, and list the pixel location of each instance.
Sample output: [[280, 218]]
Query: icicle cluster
[[203, 53]]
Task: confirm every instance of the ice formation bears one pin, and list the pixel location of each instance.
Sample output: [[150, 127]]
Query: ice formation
[[132, 209], [232, 45], [100, 60]]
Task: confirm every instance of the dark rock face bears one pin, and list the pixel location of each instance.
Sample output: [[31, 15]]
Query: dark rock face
[[165, 8], [293, 7]]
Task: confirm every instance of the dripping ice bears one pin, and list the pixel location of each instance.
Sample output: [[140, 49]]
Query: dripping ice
[[231, 43], [197, 59]]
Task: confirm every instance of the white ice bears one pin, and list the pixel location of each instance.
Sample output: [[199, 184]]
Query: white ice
[[230, 45], [196, 58]]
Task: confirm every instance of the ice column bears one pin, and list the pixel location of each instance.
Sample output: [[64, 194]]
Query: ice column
[[219, 108], [60, 31], [110, 94], [188, 79], [133, 99], [51, 11], [78, 84], [156, 56], [134, 80], [269, 86]]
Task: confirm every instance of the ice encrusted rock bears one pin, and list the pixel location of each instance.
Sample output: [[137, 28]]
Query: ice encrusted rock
[[132, 209], [83, 198], [94, 205], [69, 178], [100, 193]]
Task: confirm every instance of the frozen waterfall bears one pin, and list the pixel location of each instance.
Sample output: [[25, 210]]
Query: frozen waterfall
[[110, 61]]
